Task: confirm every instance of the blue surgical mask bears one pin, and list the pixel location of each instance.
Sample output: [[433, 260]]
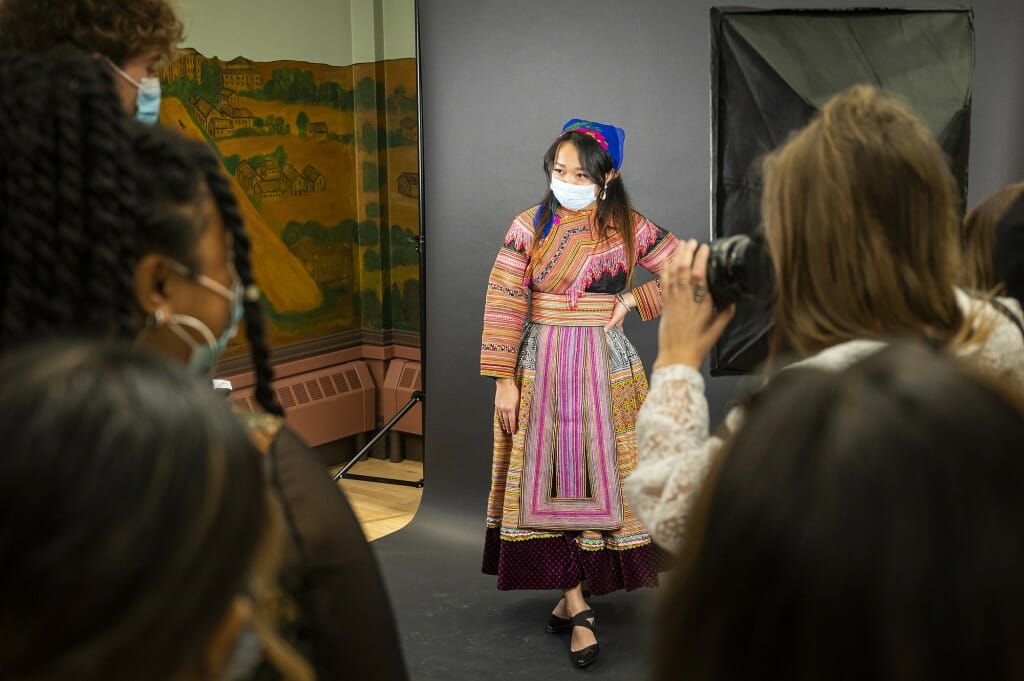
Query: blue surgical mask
[[573, 196], [204, 355], [147, 101], [246, 656]]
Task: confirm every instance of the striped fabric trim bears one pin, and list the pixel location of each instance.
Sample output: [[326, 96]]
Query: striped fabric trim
[[648, 300], [553, 309], [507, 301]]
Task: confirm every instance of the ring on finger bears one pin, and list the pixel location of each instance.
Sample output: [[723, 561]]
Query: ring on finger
[[699, 292]]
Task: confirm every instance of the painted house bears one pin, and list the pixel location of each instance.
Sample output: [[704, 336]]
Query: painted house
[[246, 176], [267, 189], [327, 264], [227, 98], [188, 65], [241, 118], [317, 182], [295, 181], [269, 170], [239, 74], [216, 123], [317, 131]]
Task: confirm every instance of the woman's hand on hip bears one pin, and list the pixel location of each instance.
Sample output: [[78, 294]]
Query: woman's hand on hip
[[506, 404], [618, 314], [690, 324]]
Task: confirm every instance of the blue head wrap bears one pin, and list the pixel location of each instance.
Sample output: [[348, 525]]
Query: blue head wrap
[[611, 138]]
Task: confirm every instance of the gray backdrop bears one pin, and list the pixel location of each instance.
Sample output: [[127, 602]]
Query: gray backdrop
[[498, 79]]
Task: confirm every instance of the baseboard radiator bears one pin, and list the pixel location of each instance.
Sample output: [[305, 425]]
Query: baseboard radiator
[[400, 382], [326, 404], [402, 379]]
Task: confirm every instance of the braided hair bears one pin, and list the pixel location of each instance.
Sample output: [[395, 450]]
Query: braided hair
[[67, 202], [85, 193], [175, 173]]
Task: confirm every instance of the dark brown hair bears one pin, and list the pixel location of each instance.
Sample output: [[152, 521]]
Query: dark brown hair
[[979, 237], [116, 29], [614, 212], [134, 510], [860, 525]]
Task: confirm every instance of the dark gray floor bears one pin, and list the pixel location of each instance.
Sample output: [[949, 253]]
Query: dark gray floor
[[456, 625]]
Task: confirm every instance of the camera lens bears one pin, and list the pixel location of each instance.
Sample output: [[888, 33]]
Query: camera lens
[[739, 268]]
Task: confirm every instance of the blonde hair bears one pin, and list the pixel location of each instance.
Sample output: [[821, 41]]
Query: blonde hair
[[860, 215], [978, 238]]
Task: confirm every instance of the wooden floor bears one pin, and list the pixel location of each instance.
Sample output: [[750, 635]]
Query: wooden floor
[[383, 509]]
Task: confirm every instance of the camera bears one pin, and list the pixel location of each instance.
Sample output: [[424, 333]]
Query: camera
[[739, 268]]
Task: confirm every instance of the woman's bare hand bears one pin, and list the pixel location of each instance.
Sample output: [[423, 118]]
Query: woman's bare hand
[[506, 404]]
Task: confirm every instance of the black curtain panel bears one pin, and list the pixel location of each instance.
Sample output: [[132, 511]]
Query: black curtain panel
[[772, 70]]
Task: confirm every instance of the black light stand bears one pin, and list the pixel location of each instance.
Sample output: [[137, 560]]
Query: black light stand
[[344, 472], [420, 242]]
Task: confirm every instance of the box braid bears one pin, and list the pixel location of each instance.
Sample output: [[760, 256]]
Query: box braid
[[254, 329], [67, 202], [175, 173]]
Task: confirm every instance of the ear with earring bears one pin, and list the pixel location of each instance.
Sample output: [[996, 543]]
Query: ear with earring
[[604, 191], [157, 319]]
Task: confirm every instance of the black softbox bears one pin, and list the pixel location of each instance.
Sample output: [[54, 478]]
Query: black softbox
[[771, 71]]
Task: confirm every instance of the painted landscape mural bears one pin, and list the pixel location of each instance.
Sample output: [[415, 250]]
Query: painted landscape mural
[[324, 162]]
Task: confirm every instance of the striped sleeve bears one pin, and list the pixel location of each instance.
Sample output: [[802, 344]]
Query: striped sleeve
[[654, 246], [506, 303]]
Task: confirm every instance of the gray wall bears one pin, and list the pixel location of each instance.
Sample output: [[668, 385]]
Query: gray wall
[[498, 80]]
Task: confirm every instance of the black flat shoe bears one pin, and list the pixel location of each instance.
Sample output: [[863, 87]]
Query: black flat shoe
[[582, 658], [558, 625]]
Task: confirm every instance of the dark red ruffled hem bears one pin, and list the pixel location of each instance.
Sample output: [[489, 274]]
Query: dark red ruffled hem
[[559, 563]]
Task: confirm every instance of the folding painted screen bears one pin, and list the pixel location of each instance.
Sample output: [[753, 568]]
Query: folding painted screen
[[772, 70]]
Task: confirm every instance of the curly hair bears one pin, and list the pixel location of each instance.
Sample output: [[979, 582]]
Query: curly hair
[[85, 193], [116, 29]]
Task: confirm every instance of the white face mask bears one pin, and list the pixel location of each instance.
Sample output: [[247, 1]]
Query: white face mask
[[573, 196]]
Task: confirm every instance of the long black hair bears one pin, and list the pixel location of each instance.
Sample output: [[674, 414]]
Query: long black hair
[[133, 509], [614, 212], [85, 193], [67, 200]]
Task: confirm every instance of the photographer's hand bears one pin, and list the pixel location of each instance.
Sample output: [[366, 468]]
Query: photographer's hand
[[690, 325]]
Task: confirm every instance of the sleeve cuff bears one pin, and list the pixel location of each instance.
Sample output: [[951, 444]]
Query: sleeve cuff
[[648, 300], [676, 372]]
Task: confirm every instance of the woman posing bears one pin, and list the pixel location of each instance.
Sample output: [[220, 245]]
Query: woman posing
[[568, 385]]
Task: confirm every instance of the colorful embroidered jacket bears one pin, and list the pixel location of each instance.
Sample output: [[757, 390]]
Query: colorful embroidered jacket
[[571, 260]]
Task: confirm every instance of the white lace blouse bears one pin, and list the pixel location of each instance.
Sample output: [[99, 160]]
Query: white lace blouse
[[676, 448]]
